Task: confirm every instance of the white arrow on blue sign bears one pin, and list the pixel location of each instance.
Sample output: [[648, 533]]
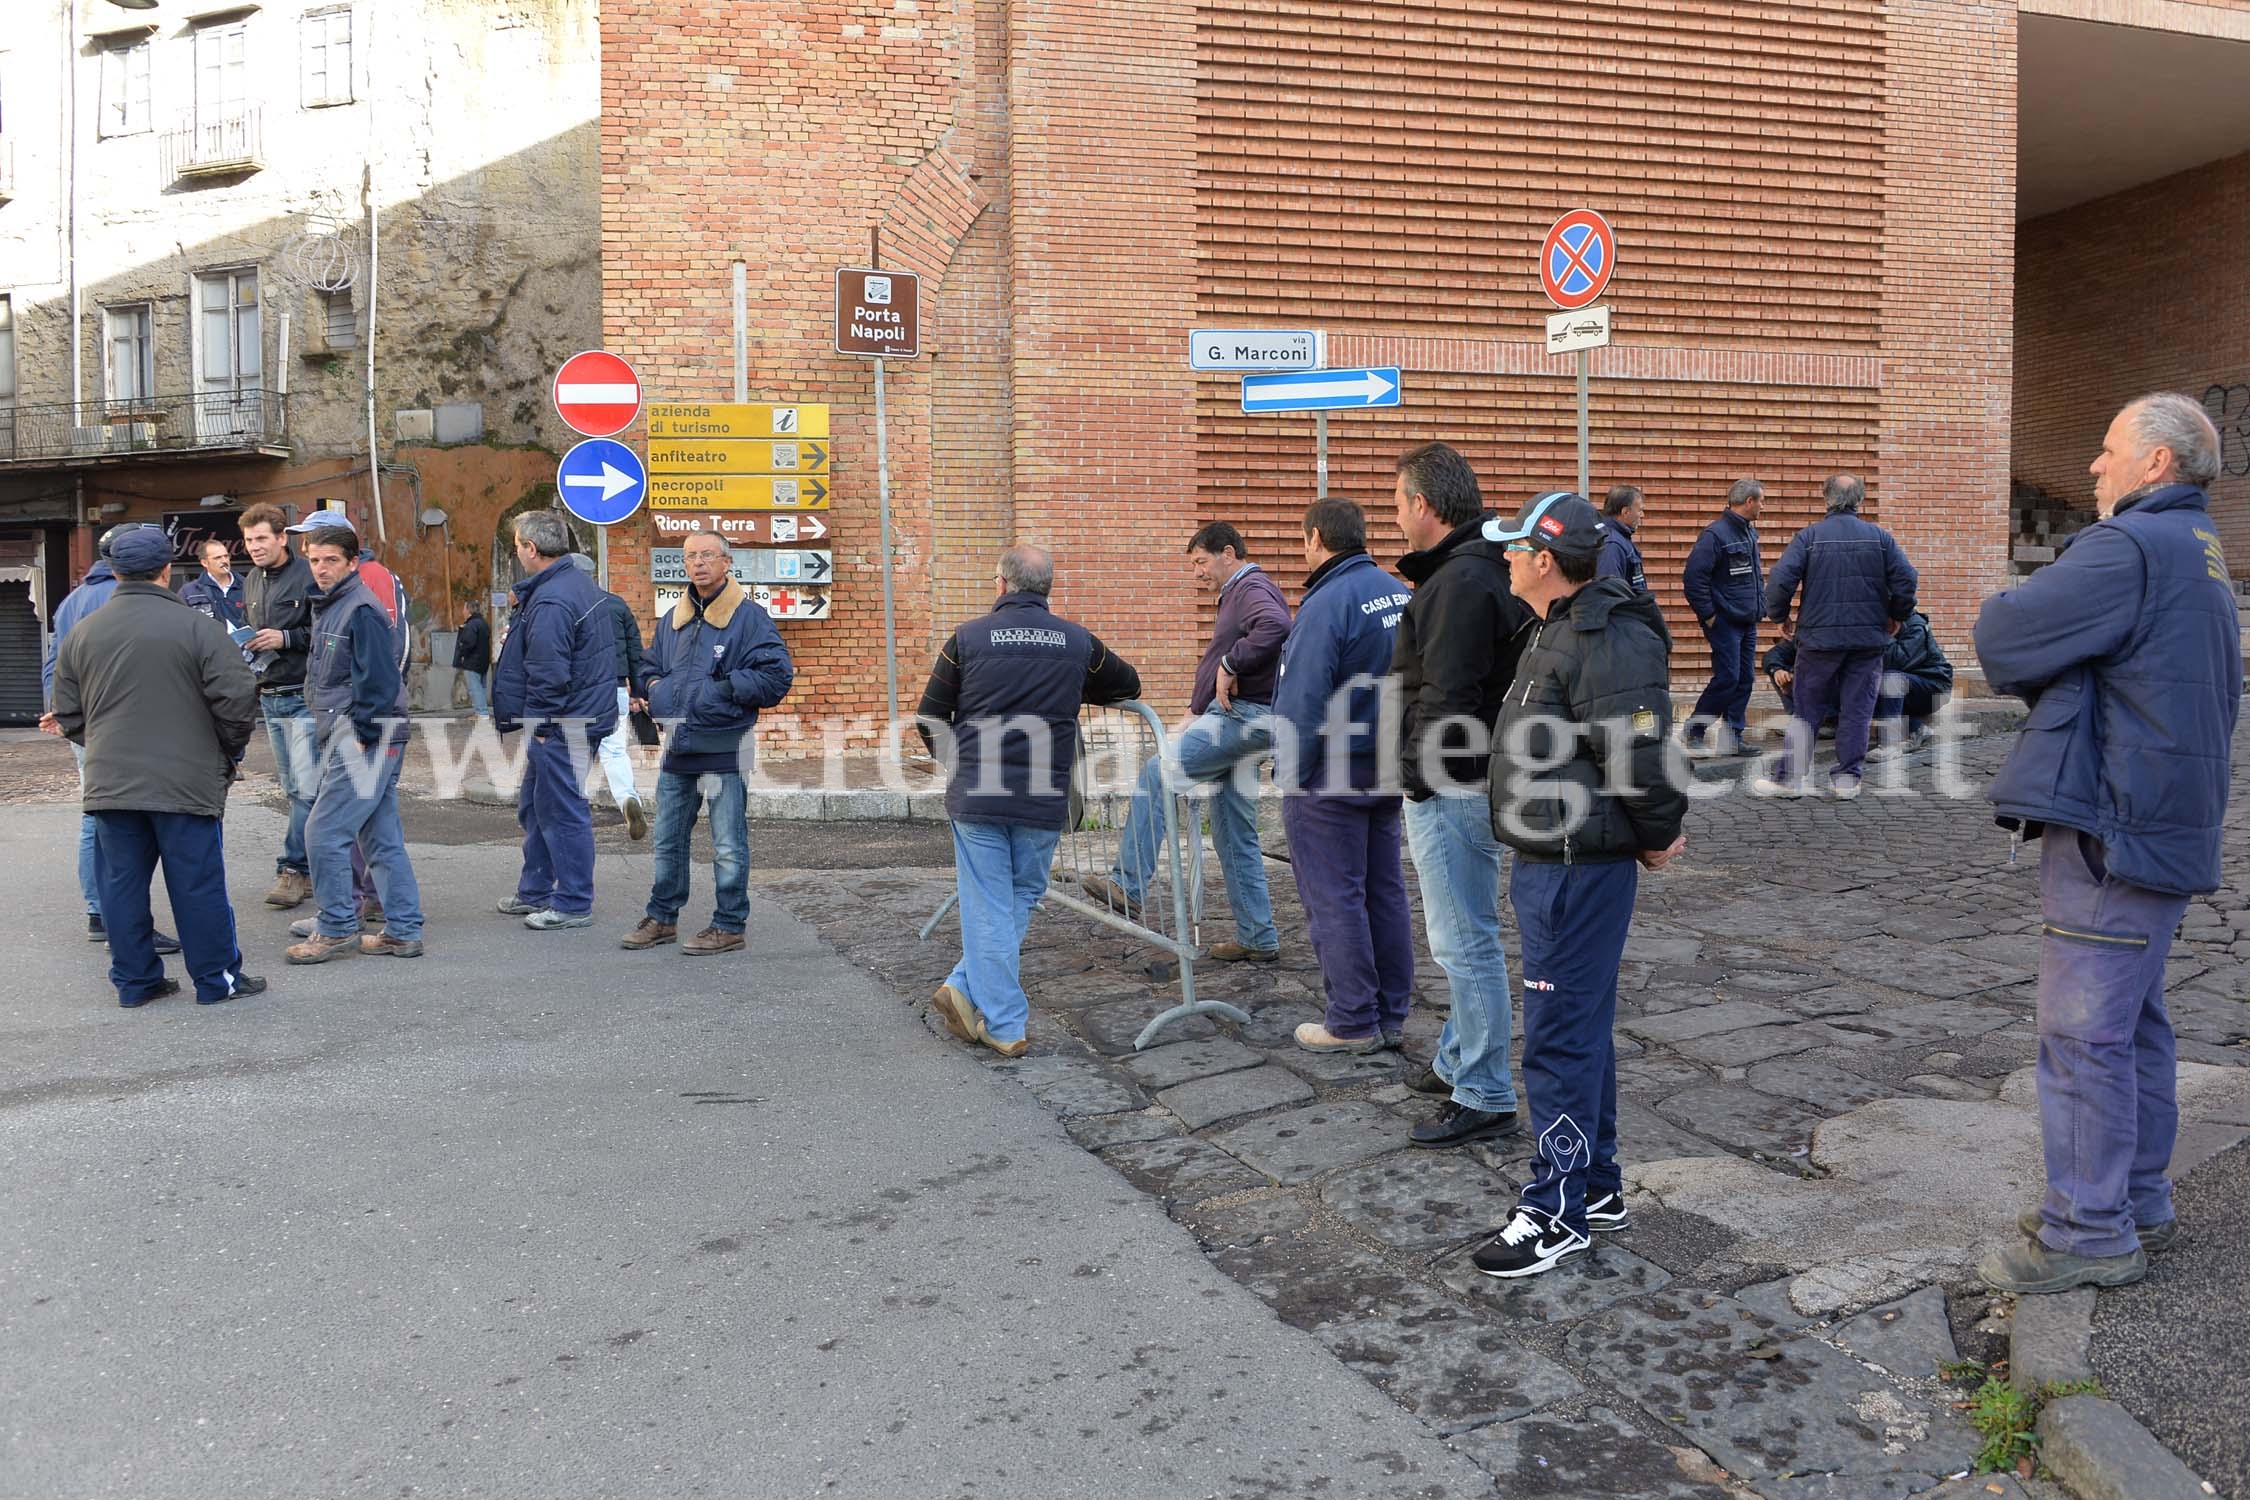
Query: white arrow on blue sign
[[601, 481], [1320, 390]]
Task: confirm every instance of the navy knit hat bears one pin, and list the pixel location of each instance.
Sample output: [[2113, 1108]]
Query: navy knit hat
[[140, 552]]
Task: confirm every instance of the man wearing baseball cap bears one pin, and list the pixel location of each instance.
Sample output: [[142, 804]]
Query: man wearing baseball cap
[[1580, 791]]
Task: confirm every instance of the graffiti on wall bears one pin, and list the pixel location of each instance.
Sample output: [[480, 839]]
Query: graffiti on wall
[[2229, 406]]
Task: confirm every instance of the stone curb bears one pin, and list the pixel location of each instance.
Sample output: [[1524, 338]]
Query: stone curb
[[2051, 1340], [2097, 1449]]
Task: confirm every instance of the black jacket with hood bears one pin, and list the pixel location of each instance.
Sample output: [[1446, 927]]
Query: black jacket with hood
[[1455, 656]]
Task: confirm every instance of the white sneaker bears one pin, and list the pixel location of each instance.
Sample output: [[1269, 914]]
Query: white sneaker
[[1532, 1242], [1843, 788], [1766, 786], [551, 920]]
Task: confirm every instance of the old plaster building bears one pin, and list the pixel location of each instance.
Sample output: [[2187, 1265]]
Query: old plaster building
[[192, 303], [1929, 241]]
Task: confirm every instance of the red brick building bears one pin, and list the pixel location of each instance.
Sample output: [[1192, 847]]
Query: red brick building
[[1817, 207]]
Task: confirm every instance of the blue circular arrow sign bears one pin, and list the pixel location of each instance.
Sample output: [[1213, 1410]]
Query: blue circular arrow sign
[[601, 481]]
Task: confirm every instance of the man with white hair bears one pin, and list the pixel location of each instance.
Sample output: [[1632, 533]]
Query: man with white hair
[[2128, 650]]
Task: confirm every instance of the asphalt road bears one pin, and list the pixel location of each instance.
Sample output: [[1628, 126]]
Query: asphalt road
[[535, 1217]]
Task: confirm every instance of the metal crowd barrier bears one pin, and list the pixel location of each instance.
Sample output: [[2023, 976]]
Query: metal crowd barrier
[[1114, 743]]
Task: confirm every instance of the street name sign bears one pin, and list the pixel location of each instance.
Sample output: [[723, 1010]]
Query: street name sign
[[597, 393], [736, 492], [1587, 328], [737, 456], [782, 601], [755, 419], [1257, 349], [753, 527], [750, 565], [1320, 390], [601, 481], [878, 313], [1576, 259]]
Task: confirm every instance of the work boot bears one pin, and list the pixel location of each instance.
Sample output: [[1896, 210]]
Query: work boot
[[649, 934], [636, 819], [2154, 1237], [1428, 1082], [712, 940], [371, 913], [383, 945], [320, 948], [2029, 1268], [1109, 893], [1458, 1125], [1314, 1037], [290, 888], [965, 1021], [1236, 953]]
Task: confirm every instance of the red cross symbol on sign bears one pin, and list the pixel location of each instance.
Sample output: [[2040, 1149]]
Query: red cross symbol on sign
[[783, 600]]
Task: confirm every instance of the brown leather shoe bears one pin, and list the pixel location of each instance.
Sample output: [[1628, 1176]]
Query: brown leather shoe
[[382, 945], [290, 888], [1235, 953], [650, 933], [319, 949], [1107, 892], [965, 1021], [713, 940]]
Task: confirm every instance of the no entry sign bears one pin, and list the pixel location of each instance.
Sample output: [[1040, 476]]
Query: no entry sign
[[1576, 260], [597, 393]]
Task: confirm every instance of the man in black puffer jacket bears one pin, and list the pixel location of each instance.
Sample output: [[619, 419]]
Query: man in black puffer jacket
[[1581, 789]]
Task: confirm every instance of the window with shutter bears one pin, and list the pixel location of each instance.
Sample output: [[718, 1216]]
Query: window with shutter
[[327, 46]]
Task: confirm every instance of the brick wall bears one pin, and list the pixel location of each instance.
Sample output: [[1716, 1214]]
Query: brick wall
[[2140, 291]]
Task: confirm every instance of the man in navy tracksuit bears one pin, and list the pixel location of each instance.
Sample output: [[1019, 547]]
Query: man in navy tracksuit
[[1001, 712], [1725, 585], [557, 677], [2128, 650], [1622, 510], [1344, 832], [1859, 590], [1579, 790]]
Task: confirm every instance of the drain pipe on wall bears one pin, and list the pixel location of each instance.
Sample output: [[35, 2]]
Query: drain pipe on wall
[[70, 146], [374, 279]]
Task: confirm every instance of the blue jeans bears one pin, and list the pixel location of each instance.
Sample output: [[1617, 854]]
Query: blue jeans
[[1209, 750], [1843, 683], [678, 799], [479, 703], [1734, 672], [1458, 864], [2108, 1115], [1345, 853], [195, 876], [289, 729], [89, 855], [1574, 919], [557, 823], [344, 815], [999, 872]]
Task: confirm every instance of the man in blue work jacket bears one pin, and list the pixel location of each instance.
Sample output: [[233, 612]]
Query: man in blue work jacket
[[2128, 650], [1725, 585]]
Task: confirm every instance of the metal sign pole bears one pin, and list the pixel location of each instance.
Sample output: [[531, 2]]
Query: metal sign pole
[[1585, 466], [1320, 455], [883, 505], [741, 331]]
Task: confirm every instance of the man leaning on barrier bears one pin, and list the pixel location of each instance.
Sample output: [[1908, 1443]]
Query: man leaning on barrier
[[1455, 656], [1233, 706], [1343, 827], [2128, 650], [1581, 791], [1000, 712]]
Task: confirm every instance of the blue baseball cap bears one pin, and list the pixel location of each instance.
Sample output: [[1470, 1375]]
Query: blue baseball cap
[[1560, 521], [321, 520]]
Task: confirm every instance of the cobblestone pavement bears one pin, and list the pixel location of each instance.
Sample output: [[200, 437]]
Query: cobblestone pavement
[[1825, 1030]]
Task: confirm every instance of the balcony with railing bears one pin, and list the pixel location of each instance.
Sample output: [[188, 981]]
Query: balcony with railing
[[214, 145], [248, 423]]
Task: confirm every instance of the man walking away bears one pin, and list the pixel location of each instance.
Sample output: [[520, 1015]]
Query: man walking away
[[218, 593], [358, 701], [1858, 590], [472, 657], [1725, 585], [717, 661], [163, 704], [277, 603], [1579, 790], [1001, 712], [92, 593], [1621, 557], [557, 679], [1343, 829], [1454, 658], [2128, 650], [617, 764], [1232, 730]]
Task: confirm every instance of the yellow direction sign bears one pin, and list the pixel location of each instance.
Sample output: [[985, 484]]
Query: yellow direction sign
[[736, 492], [738, 456], [679, 419]]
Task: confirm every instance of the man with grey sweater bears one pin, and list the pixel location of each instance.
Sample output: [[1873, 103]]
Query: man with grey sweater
[[1233, 699]]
